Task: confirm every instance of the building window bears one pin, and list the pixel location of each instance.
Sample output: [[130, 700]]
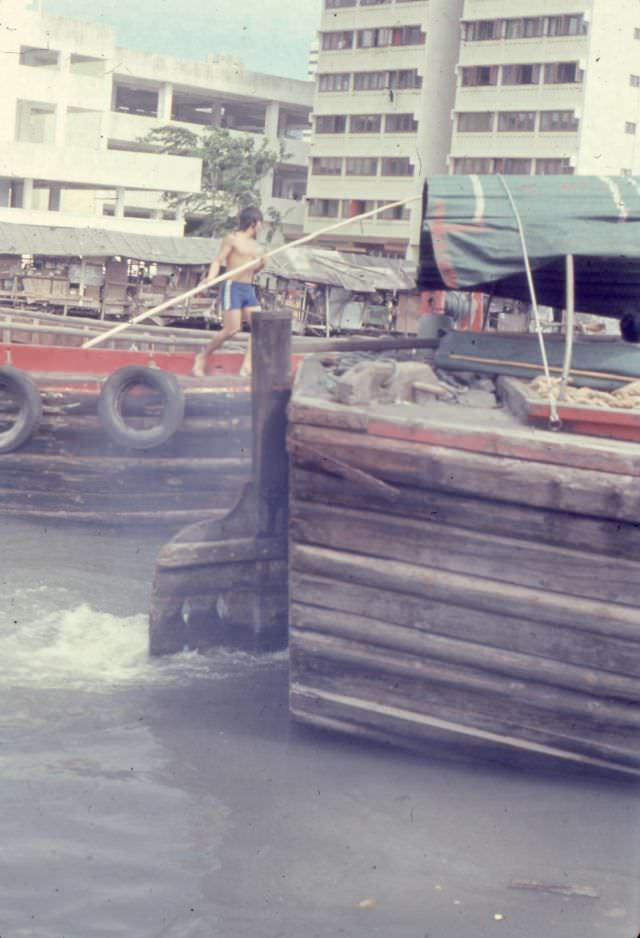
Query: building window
[[331, 123], [390, 36], [405, 80], [39, 58], [373, 3], [397, 166], [35, 122], [383, 81], [323, 208], [374, 38], [636, 32], [479, 75], [400, 124], [337, 41], [562, 73], [559, 122], [521, 74], [630, 127], [525, 27], [553, 167], [326, 166], [625, 172], [481, 30], [510, 166], [365, 123], [634, 81], [338, 4], [139, 101], [475, 122], [370, 81], [571, 25], [336, 81], [353, 207], [362, 166], [467, 165], [397, 213], [517, 122]]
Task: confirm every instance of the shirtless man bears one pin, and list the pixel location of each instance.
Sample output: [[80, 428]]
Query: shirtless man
[[238, 294]]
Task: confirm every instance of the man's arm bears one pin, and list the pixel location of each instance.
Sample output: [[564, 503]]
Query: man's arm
[[221, 257]]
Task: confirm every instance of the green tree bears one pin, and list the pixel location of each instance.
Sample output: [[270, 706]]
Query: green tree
[[232, 169]]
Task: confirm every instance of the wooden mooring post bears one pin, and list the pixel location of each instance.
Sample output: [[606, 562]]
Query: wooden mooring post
[[224, 582]]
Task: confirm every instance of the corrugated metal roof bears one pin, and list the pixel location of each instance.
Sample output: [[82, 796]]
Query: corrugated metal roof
[[355, 272], [92, 242]]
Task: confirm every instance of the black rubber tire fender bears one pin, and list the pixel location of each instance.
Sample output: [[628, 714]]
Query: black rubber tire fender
[[19, 384], [112, 397]]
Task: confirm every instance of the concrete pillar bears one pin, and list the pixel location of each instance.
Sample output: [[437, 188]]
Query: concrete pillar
[[5, 193], [120, 199], [61, 126], [27, 193], [165, 101], [54, 198], [272, 119], [216, 114]]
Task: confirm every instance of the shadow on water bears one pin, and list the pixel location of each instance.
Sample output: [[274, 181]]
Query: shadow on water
[[176, 799]]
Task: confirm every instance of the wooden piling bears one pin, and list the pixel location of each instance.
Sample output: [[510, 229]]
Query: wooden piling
[[225, 581]]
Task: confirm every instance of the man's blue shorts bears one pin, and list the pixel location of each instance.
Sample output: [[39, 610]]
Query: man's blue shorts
[[238, 296]]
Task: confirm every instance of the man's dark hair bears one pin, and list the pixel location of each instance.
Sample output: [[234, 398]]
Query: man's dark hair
[[630, 327], [248, 217]]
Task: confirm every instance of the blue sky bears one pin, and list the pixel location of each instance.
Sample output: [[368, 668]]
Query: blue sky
[[268, 35]]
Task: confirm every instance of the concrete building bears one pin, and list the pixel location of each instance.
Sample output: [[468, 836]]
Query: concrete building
[[549, 87], [411, 87], [75, 106], [382, 114]]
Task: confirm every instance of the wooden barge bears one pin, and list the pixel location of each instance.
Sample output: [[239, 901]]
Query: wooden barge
[[458, 577], [71, 468]]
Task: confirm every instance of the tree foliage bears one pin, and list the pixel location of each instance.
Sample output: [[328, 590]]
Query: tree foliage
[[232, 169]]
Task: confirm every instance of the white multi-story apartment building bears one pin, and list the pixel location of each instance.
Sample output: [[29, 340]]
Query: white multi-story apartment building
[[551, 86], [75, 107], [382, 115], [406, 88]]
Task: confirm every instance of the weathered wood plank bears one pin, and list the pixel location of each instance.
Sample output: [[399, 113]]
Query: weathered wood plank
[[169, 499], [429, 646], [469, 591], [106, 482], [484, 712], [140, 463], [129, 519], [579, 491], [443, 547], [430, 735], [233, 550], [575, 646], [428, 429], [476, 513], [341, 660]]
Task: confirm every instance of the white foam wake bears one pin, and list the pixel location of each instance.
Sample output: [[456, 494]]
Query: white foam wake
[[84, 649]]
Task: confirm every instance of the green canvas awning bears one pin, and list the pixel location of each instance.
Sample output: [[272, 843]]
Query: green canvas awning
[[470, 238]]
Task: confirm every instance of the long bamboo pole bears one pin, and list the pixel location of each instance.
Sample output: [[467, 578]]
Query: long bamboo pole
[[206, 284]]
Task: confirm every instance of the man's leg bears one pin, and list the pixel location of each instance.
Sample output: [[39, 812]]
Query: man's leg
[[231, 323], [245, 369]]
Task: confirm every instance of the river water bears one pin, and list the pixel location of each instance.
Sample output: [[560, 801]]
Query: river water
[[174, 799]]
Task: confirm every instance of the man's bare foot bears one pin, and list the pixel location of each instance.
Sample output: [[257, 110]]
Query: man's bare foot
[[198, 366]]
